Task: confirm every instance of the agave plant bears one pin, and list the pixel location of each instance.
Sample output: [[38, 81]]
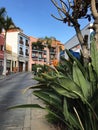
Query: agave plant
[[70, 93]]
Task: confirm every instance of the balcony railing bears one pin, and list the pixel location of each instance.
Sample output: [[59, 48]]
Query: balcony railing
[[21, 41], [34, 58], [27, 44], [21, 52], [27, 54]]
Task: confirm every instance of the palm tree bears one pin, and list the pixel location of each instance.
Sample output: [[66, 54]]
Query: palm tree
[[7, 24], [2, 17]]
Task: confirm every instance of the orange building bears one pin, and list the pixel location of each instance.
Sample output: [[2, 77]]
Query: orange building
[[31, 60], [46, 54]]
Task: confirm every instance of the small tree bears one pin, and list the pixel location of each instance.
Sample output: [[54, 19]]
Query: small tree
[[2, 17], [94, 9], [7, 24]]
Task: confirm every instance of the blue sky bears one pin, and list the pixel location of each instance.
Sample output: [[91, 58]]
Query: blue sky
[[34, 18]]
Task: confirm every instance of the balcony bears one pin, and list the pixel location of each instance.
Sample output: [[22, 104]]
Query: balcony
[[52, 51], [27, 54], [21, 42], [34, 58], [52, 57], [40, 59], [21, 52], [27, 44], [34, 48], [34, 55], [45, 60], [45, 52]]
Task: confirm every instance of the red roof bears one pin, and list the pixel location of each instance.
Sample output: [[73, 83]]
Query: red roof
[[1, 40]]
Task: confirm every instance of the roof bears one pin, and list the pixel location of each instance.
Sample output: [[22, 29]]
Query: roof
[[74, 40]]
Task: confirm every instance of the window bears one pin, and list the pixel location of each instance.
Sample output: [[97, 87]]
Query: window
[[45, 60], [86, 38], [0, 63], [33, 55], [40, 56], [45, 52], [34, 47], [52, 57], [1, 48], [26, 53], [21, 51], [26, 43], [52, 49], [21, 40], [92, 35]]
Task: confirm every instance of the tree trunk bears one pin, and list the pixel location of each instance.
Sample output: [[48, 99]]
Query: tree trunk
[[95, 24], [84, 46], [4, 63], [96, 32]]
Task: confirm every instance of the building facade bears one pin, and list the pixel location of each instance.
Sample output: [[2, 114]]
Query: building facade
[[21, 54], [31, 60], [17, 51], [44, 54], [73, 43]]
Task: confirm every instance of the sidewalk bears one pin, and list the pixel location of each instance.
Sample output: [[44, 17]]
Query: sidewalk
[[2, 77], [35, 118], [9, 75]]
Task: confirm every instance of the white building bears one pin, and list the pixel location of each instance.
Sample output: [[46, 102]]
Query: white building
[[73, 43], [17, 51]]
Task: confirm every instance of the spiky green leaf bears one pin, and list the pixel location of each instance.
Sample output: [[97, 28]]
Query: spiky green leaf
[[26, 106], [69, 117], [77, 61], [49, 97], [94, 56], [65, 92], [80, 80]]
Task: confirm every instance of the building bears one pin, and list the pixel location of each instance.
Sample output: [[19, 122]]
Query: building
[[54, 51], [23, 52], [31, 61], [1, 53], [17, 51], [73, 43], [44, 54]]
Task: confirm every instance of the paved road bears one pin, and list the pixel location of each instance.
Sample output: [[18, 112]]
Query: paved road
[[11, 89]]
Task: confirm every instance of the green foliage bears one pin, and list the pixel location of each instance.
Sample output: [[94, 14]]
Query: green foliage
[[2, 17], [70, 93], [38, 45], [94, 56]]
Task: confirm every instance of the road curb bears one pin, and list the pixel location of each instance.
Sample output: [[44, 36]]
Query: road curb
[[35, 118]]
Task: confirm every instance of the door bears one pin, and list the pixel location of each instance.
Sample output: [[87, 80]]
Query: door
[[20, 66]]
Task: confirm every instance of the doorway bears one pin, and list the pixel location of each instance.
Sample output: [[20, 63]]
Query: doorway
[[20, 66]]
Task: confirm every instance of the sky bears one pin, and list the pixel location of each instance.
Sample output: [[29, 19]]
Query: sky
[[34, 18]]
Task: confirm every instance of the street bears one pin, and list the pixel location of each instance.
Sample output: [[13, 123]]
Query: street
[[11, 93]]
